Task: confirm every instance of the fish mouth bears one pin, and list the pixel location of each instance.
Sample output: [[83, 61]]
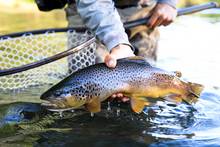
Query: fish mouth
[[55, 105]]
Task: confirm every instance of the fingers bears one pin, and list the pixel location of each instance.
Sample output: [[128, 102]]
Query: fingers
[[120, 97], [156, 21], [125, 99], [165, 23], [114, 96], [162, 14], [120, 51], [110, 61], [153, 20]]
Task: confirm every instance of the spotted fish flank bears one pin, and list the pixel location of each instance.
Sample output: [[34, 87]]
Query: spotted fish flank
[[134, 77]]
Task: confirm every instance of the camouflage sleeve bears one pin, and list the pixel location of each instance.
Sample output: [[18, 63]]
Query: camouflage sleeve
[[103, 19], [172, 3]]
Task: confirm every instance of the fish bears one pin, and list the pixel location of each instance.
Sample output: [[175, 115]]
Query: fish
[[134, 77]]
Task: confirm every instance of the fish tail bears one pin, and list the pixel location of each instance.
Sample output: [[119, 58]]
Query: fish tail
[[194, 92]]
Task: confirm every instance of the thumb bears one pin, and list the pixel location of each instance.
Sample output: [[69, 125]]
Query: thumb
[[110, 61]]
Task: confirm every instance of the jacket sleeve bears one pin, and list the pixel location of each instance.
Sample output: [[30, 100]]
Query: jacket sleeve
[[172, 3], [103, 19]]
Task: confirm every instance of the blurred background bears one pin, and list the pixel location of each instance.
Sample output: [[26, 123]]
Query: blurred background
[[21, 15]]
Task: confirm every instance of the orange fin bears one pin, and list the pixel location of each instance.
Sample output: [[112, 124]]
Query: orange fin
[[196, 88], [94, 106], [138, 105], [194, 92]]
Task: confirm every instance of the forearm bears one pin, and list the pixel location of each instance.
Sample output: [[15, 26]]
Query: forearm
[[103, 19], [172, 3]]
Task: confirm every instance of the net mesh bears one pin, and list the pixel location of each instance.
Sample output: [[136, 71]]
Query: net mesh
[[30, 48]]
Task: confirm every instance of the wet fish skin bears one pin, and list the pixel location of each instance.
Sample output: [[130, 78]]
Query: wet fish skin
[[134, 77]]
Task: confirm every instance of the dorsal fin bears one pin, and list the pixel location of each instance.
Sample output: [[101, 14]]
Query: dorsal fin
[[136, 59]]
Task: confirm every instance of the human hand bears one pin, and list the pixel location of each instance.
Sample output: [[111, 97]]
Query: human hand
[[120, 51], [120, 97], [162, 14]]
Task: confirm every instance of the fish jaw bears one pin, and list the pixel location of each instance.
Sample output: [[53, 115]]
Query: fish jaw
[[62, 103], [54, 104]]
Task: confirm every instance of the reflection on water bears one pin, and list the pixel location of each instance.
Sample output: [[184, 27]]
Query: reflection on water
[[190, 45], [162, 124]]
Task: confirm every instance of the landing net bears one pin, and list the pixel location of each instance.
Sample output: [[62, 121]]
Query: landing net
[[24, 48]]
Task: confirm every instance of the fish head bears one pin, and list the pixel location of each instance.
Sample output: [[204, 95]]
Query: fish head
[[59, 99]]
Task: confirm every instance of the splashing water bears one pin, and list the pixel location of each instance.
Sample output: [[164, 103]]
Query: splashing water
[[61, 114], [92, 114], [109, 106]]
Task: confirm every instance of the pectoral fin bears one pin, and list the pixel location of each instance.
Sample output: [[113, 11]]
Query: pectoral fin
[[138, 105], [94, 106]]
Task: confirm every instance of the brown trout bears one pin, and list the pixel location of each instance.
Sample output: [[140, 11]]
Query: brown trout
[[133, 77]]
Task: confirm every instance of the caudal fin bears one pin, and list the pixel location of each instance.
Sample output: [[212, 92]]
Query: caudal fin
[[194, 92]]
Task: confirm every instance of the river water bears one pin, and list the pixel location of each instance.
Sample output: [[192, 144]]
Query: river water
[[190, 45]]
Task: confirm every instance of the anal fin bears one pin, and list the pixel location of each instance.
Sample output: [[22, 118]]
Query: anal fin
[[94, 106], [138, 104]]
